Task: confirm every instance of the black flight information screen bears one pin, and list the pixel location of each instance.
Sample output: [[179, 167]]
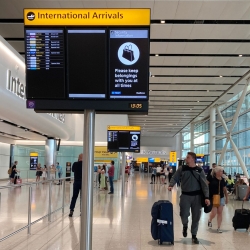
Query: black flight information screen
[[45, 69], [87, 63], [124, 141], [129, 60]]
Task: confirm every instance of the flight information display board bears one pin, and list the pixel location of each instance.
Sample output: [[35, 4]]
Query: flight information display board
[[87, 63], [124, 141], [128, 64], [45, 69], [82, 59]]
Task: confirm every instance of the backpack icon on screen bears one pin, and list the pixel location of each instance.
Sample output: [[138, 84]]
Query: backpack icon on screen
[[128, 53]]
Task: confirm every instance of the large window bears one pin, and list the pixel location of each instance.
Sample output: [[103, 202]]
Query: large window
[[240, 136]]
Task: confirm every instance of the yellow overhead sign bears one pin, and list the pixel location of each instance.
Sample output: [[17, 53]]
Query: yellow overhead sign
[[157, 159], [172, 157], [141, 160], [34, 154], [92, 17], [129, 128], [101, 152]]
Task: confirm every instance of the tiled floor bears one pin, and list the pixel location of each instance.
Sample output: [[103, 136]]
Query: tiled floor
[[117, 224]]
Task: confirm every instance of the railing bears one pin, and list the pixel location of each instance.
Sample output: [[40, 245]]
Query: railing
[[28, 226]]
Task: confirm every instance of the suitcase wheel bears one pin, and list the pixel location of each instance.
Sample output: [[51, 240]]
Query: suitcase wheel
[[234, 229], [159, 242]]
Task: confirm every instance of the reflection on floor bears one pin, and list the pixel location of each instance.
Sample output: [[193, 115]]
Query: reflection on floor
[[117, 224]]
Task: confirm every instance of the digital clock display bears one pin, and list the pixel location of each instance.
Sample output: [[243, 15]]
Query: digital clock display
[[135, 105]]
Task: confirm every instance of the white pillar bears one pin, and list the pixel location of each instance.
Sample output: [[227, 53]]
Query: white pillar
[[50, 153], [212, 135], [123, 173], [192, 137], [178, 143], [87, 181]]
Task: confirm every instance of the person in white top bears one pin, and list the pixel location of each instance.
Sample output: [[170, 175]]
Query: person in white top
[[158, 173]]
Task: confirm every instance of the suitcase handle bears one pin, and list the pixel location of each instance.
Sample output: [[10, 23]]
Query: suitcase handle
[[242, 207]]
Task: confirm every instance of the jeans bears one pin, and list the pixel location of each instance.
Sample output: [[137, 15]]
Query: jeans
[[111, 178], [59, 176], [76, 189]]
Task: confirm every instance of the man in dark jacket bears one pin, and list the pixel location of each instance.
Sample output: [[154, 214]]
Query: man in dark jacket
[[193, 183], [77, 169]]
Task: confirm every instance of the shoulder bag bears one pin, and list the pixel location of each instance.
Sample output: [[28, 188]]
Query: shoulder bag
[[216, 198]]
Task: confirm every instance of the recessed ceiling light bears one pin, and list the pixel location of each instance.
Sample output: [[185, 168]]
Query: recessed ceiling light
[[156, 55], [1, 120], [208, 90], [152, 76], [162, 21], [26, 129], [240, 55], [18, 126], [221, 76], [198, 101]]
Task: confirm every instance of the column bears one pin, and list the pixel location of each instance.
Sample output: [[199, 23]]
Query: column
[[212, 135], [87, 180], [178, 143], [12, 155], [50, 153], [192, 137], [123, 173]]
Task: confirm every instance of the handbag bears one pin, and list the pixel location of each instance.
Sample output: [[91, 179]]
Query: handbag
[[216, 198], [128, 53]]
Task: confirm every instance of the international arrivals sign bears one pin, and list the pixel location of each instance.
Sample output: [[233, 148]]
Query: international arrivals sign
[[92, 17]]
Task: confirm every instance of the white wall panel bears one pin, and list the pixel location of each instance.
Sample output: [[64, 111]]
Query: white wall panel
[[4, 159], [12, 108]]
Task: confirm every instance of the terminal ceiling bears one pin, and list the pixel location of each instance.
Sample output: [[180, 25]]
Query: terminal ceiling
[[199, 50]]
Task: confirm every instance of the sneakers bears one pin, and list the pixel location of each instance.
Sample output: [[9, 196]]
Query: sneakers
[[184, 232], [209, 224], [195, 240], [71, 213], [151, 182], [219, 231], [110, 193]]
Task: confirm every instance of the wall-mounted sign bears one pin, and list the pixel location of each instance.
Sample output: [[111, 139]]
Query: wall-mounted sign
[[101, 152], [153, 160], [33, 160], [90, 17], [142, 159], [68, 170], [172, 156], [153, 152]]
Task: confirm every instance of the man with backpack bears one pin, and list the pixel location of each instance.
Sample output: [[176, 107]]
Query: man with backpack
[[193, 185]]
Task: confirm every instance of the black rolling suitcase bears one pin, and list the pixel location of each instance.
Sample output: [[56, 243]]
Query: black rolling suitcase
[[162, 225], [241, 218]]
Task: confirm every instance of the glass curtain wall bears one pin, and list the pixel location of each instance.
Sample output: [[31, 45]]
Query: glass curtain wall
[[240, 136], [65, 154]]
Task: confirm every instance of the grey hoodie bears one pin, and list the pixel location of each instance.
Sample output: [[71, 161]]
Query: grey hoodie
[[189, 183]]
